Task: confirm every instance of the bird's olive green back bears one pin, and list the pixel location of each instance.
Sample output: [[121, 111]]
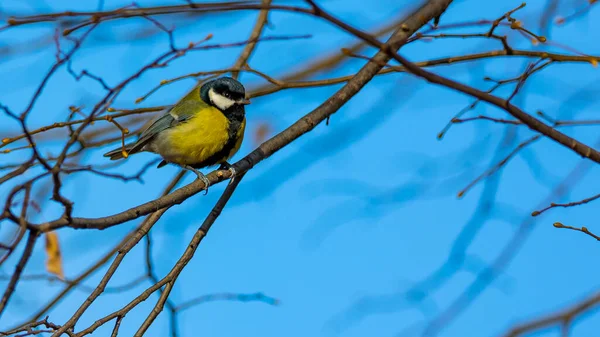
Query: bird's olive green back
[[188, 106]]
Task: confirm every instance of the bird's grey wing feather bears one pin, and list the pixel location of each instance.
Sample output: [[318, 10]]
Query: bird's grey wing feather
[[187, 109], [164, 122], [181, 112], [178, 114]]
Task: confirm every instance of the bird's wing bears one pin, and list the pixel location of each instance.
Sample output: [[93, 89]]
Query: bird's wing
[[181, 112], [162, 123], [187, 109]]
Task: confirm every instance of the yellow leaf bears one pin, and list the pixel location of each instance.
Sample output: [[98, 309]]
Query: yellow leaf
[[54, 259], [594, 63]]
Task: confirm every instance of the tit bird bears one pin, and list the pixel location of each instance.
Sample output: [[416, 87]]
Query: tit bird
[[205, 128]]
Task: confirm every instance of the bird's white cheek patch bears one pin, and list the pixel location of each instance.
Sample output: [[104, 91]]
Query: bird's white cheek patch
[[223, 103]]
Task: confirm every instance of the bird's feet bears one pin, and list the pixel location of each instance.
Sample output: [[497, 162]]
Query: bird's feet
[[228, 167], [200, 176]]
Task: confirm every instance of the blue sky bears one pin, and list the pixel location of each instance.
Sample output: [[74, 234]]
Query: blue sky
[[342, 223]]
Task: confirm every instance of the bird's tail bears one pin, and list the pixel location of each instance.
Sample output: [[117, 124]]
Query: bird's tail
[[120, 152]]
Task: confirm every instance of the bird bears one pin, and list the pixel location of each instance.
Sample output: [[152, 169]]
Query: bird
[[205, 128]]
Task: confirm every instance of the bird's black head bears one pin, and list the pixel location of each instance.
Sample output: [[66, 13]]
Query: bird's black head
[[224, 93]]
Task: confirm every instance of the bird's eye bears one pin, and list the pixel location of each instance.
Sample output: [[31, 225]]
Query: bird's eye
[[226, 94]]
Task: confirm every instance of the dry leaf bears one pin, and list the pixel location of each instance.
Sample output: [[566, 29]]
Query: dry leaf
[[54, 259]]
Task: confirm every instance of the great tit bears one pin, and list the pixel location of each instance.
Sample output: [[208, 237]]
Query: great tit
[[205, 128]]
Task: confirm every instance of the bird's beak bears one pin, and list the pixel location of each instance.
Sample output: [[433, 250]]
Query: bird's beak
[[245, 101]]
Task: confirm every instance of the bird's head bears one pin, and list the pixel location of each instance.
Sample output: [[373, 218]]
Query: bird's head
[[223, 93]]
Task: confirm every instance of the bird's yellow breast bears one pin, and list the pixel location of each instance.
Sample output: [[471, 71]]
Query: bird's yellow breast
[[198, 138]]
